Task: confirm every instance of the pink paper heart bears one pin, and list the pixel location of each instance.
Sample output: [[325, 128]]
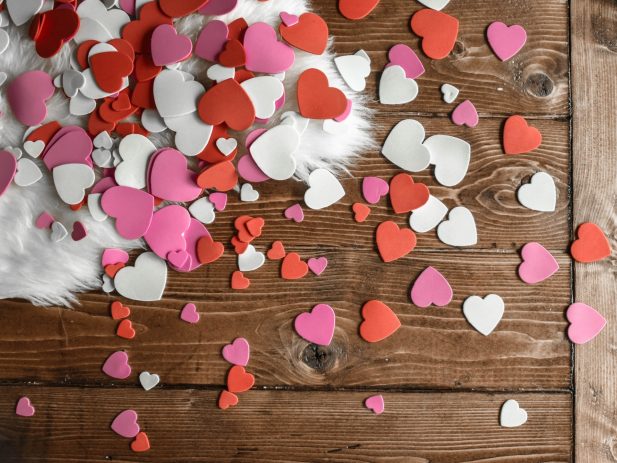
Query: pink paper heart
[[316, 326], [253, 135], [238, 352], [128, 6], [374, 188], [250, 171], [125, 424], [585, 323], [506, 41], [465, 114], [170, 177], [431, 287], [189, 313], [375, 403], [28, 94], [70, 145], [345, 113], [295, 213], [538, 264], [113, 256], [178, 258], [403, 56], [117, 365], [166, 232], [44, 221], [264, 53], [169, 47], [218, 7], [211, 40], [317, 265], [219, 199], [79, 231], [8, 167], [289, 19], [24, 407], [132, 209], [195, 231], [103, 185]]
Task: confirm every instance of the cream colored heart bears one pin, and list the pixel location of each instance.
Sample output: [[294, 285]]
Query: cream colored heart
[[203, 210], [28, 173], [148, 380], [58, 232], [450, 156], [135, 151], [103, 140], [220, 73], [512, 415], [145, 281], [248, 193], [540, 194], [174, 96], [354, 69], [273, 151], [404, 147], [459, 229], [34, 148], [395, 87], [22, 11], [192, 134], [226, 145], [484, 314], [324, 189], [264, 92], [102, 158], [449, 92], [72, 81], [250, 259], [72, 180]]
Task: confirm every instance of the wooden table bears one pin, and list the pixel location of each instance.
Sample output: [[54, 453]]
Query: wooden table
[[443, 382]]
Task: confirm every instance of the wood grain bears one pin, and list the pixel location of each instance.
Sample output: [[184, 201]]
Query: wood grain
[[72, 425], [594, 54]]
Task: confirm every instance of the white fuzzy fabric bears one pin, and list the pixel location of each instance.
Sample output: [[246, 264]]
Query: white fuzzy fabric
[[34, 268]]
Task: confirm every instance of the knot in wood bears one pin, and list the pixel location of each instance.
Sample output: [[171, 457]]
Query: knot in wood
[[539, 84], [605, 32], [459, 48], [319, 358]]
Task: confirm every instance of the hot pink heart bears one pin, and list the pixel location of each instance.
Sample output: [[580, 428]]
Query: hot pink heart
[[113, 256], [70, 145], [295, 213], [132, 209], [128, 6], [317, 265], [585, 323], [465, 114], [403, 56], [238, 352], [248, 170], [170, 177], [431, 287], [264, 53], [178, 259], [289, 19], [218, 7], [117, 365], [125, 424], [28, 94], [219, 199], [44, 221], [506, 41], [189, 313], [538, 264], [211, 40], [8, 167], [195, 231], [374, 188], [375, 403], [24, 407], [166, 232], [316, 326], [169, 47]]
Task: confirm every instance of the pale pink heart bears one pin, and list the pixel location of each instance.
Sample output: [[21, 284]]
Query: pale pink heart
[[79, 231], [28, 94], [253, 135], [317, 265], [289, 19], [294, 213], [45, 220], [132, 209], [211, 40], [169, 47], [117, 365], [218, 7], [431, 287], [403, 56], [128, 6], [238, 352], [465, 114], [585, 323], [24, 407], [375, 403], [70, 145], [166, 232], [264, 52], [189, 313], [346, 113], [374, 188], [170, 177], [195, 231], [219, 199], [538, 264], [316, 326], [113, 256], [506, 41], [103, 185], [8, 167], [125, 424], [250, 171], [178, 258]]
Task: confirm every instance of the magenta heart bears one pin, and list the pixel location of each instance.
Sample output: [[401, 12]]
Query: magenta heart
[[295, 213], [218, 7], [169, 47], [132, 209], [8, 167], [103, 185], [465, 114], [264, 53], [317, 265], [166, 231], [403, 56], [189, 313], [238, 352], [179, 259], [289, 19], [253, 135], [375, 403], [195, 231], [79, 231], [24, 407], [211, 40], [113, 256], [28, 94], [117, 365], [374, 188], [70, 145], [431, 287], [316, 326], [44, 221], [585, 323], [125, 424], [249, 171], [506, 41], [128, 6], [219, 199], [538, 264], [170, 177]]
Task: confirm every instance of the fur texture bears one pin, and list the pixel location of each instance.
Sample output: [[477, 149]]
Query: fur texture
[[34, 268]]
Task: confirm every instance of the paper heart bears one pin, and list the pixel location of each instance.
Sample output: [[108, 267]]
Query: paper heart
[[117, 366], [195, 232], [354, 70], [72, 180], [228, 103], [118, 310], [519, 137], [189, 313], [403, 56], [238, 352], [132, 209], [70, 145], [539, 194], [431, 287], [484, 314], [21, 11], [203, 210], [506, 41], [138, 32], [294, 213], [227, 145], [211, 40], [316, 326], [316, 99], [166, 231], [356, 9], [180, 8], [169, 47], [174, 96], [273, 152], [24, 407], [250, 259], [141, 443], [239, 281], [192, 134], [72, 81], [264, 92], [393, 242], [395, 87], [435, 4], [145, 281], [449, 92], [125, 424], [406, 195], [465, 114], [293, 268], [112, 269], [113, 20], [317, 265], [27, 95], [178, 259], [34, 148], [125, 329], [8, 168], [309, 32], [220, 73], [277, 251], [585, 323], [219, 200], [428, 216], [55, 28], [135, 151], [221, 176], [148, 380], [373, 188], [227, 399], [110, 70], [438, 31], [218, 7], [238, 380], [114, 256], [248, 193], [404, 147], [459, 229], [79, 231], [361, 212], [45, 220], [209, 250], [375, 403], [264, 53], [324, 189], [450, 156], [591, 245], [379, 321], [233, 54], [511, 415], [538, 264], [170, 177]]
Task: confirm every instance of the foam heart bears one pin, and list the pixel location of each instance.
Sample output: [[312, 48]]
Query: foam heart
[[125, 329], [264, 92], [438, 31], [354, 70], [221, 176], [403, 56], [28, 94], [375, 403], [166, 231], [174, 96], [227, 145], [209, 250], [294, 213], [79, 231], [233, 54], [248, 193], [316, 326], [54, 29], [71, 181], [169, 47], [361, 212], [538, 264], [58, 232], [34, 148], [277, 251], [250, 259], [395, 87], [219, 200], [449, 92], [273, 152], [203, 210], [8, 168], [264, 53], [511, 415], [132, 209], [317, 265], [309, 32], [431, 287], [170, 177], [238, 380], [539, 194], [506, 41], [227, 399], [189, 314], [406, 195], [393, 242], [145, 281], [459, 229], [428, 216], [292, 267], [192, 134], [135, 151], [450, 156], [435, 4], [117, 366], [125, 424], [220, 73], [118, 310], [141, 443], [519, 137], [585, 323], [356, 9], [70, 145], [211, 40], [316, 99], [45, 220], [110, 71], [149, 380], [288, 19], [21, 11], [379, 323], [591, 245], [238, 352], [465, 114], [192, 236], [404, 147], [227, 102], [72, 81], [24, 407], [324, 189], [484, 314], [113, 20], [239, 281]]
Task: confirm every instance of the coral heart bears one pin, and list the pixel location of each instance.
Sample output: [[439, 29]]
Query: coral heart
[[8, 167], [394, 243], [169, 47], [117, 366], [264, 53], [538, 264], [356, 9], [361, 212], [317, 265], [239, 281], [119, 311], [227, 103], [277, 251], [238, 352], [138, 32], [591, 245], [179, 8], [110, 69], [293, 267], [316, 100], [221, 176], [316, 326], [125, 424], [585, 323], [379, 321], [27, 94], [170, 177], [506, 41], [141, 443], [233, 55], [56, 27], [294, 213], [238, 380], [24, 407], [438, 31], [431, 287], [125, 329], [309, 33], [209, 250], [189, 313], [227, 399], [254, 226], [519, 137], [375, 403], [373, 188], [406, 195]]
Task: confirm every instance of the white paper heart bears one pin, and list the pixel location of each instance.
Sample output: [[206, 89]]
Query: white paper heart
[[103, 140], [395, 87], [174, 96], [226, 145], [450, 156], [264, 92], [273, 151], [354, 69], [248, 193], [93, 91], [28, 173], [145, 281], [484, 314], [404, 147], [203, 210], [34, 148], [428, 216], [192, 134], [72, 81], [540, 194], [135, 151], [71, 181], [148, 380], [94, 207], [108, 284], [250, 259], [435, 4], [91, 29], [220, 73], [80, 105], [512, 415], [324, 189], [58, 232], [22, 11], [112, 20], [459, 229], [102, 158], [5, 40], [152, 121], [449, 92]]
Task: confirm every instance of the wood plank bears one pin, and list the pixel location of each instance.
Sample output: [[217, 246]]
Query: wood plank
[[535, 82], [72, 425], [594, 66], [434, 348]]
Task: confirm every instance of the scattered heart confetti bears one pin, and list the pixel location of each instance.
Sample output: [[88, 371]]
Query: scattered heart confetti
[[125, 329], [125, 424], [292, 267], [519, 137], [538, 264], [238, 380], [361, 212], [585, 323], [484, 314], [317, 265], [316, 326], [227, 399], [277, 251], [465, 114], [238, 352], [380, 322], [375, 403], [24, 407], [393, 242], [512, 415], [438, 31], [431, 287], [189, 313], [141, 443], [117, 366], [506, 41], [540, 194], [148, 380], [591, 245]]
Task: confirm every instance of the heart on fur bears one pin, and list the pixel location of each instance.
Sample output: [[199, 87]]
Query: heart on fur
[[175, 97], [125, 424], [233, 54], [506, 41], [379, 322], [167, 229], [227, 103], [211, 40], [519, 137], [308, 33], [354, 69], [406, 195], [238, 380], [117, 366], [238, 352], [24, 407], [218, 7], [145, 281], [141, 443], [209, 250], [70, 145], [538, 264], [8, 167], [295, 213], [273, 152], [79, 231], [591, 244], [316, 326], [395, 87], [431, 287], [324, 189], [170, 177], [356, 9], [180, 8], [438, 31], [404, 147], [293, 268], [393, 242], [484, 314], [72, 180], [110, 70], [221, 176], [169, 47], [264, 93], [132, 209], [316, 99], [22, 11], [264, 53], [585, 323], [138, 32], [28, 94], [56, 27]]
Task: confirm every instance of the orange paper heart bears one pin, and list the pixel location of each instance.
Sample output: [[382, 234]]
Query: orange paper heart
[[209, 250], [438, 31], [227, 103], [293, 267], [519, 137], [310, 33], [317, 100], [238, 380], [591, 245], [119, 311], [405, 195], [227, 399], [125, 329], [141, 443], [356, 9], [361, 212], [393, 242], [379, 321], [239, 281], [277, 251], [221, 176]]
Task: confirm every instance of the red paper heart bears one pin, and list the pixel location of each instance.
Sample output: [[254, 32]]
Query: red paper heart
[[227, 399], [236, 29], [361, 212], [405, 195], [145, 69], [356, 9], [143, 95], [591, 245], [239, 245], [233, 55], [125, 329], [519, 137], [227, 103], [393, 242], [438, 31], [310, 33], [221, 176], [138, 32], [239, 281], [209, 250], [316, 100], [112, 269], [238, 380], [56, 27], [293, 267], [141, 443], [83, 50], [109, 70], [179, 8], [277, 251], [379, 321], [119, 311]]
